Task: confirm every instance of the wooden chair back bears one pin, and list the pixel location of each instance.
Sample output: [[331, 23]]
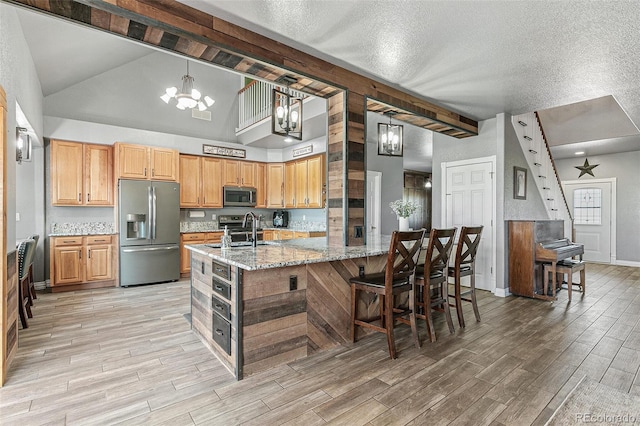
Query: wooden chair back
[[402, 259], [468, 245], [26, 253], [438, 250]]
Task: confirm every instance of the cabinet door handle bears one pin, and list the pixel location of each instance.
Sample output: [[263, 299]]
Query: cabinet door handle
[[79, 197], [79, 254], [88, 197], [218, 288], [145, 171], [68, 241], [89, 253], [198, 200], [219, 306], [219, 332], [153, 172]]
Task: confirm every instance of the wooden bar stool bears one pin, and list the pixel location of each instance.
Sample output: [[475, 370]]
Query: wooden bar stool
[[569, 266], [397, 278], [431, 279], [465, 266]]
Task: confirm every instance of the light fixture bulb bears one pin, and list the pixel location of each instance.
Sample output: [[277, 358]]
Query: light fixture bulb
[[294, 117], [288, 139], [188, 97]]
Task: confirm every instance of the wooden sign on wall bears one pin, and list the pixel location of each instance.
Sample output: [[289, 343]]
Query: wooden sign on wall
[[223, 151]]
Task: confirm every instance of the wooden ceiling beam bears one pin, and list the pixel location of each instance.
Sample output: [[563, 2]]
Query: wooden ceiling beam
[[178, 27]]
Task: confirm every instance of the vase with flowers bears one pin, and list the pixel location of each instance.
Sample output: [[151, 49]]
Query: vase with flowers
[[403, 209]]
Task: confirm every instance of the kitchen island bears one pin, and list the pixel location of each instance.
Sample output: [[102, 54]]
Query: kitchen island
[[259, 307]]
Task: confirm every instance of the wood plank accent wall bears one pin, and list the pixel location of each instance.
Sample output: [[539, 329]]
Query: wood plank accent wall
[[336, 170], [274, 318], [329, 300], [8, 266], [174, 26]]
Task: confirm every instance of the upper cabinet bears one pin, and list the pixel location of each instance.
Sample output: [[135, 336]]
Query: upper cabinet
[[275, 185], [145, 162], [305, 183], [81, 174], [200, 181], [261, 185], [239, 173]]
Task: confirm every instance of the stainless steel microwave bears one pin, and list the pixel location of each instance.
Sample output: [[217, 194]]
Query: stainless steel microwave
[[242, 197]]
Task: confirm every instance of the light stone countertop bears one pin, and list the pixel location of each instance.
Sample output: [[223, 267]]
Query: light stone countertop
[[279, 254]]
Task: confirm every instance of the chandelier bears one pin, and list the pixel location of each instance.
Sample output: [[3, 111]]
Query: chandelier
[[188, 97], [390, 138], [286, 117]]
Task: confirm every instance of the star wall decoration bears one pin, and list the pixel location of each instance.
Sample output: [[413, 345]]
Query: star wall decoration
[[586, 168]]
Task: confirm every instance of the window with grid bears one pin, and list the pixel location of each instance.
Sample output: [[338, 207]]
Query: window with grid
[[587, 206]]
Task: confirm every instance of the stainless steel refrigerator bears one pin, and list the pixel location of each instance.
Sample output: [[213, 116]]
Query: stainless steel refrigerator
[[149, 223]]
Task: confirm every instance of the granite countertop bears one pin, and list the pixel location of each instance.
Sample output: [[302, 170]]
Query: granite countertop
[[297, 229], [280, 254]]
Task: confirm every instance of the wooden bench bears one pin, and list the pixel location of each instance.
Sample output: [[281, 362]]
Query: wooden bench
[[568, 267]]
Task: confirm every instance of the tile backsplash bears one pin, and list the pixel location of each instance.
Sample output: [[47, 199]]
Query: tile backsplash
[[82, 228]]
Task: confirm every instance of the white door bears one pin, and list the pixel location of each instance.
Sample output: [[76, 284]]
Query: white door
[[469, 202], [590, 206], [374, 195]]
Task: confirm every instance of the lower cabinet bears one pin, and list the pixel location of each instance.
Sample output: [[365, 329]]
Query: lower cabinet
[[82, 260], [195, 238], [286, 234]]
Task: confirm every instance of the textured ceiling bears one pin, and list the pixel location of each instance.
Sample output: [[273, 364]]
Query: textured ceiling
[[477, 58]]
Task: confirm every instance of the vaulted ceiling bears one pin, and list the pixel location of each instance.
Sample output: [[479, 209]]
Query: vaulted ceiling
[[493, 57]]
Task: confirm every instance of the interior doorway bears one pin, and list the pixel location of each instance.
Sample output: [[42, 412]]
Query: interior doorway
[[592, 206], [469, 200], [374, 196]]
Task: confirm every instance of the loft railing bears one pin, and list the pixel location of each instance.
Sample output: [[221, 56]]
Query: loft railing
[[536, 150], [255, 102]]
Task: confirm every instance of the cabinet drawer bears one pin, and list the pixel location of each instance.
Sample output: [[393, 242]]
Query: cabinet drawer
[[195, 236], [68, 241], [99, 239], [221, 307], [214, 237], [221, 270], [222, 333], [222, 288]]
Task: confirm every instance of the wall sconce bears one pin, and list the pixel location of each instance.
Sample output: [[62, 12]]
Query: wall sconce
[[390, 138], [286, 117], [23, 145], [427, 183]]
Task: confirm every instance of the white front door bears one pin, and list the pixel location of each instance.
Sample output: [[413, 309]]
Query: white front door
[[590, 205], [469, 202]]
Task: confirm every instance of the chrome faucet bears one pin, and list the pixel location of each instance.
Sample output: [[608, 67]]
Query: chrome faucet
[[254, 227]]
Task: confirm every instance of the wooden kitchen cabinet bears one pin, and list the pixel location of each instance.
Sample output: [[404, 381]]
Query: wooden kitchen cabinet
[[305, 183], [200, 181], [190, 181], [82, 260], [211, 182], [81, 174], [290, 184], [261, 185], [239, 173], [308, 234], [195, 238], [145, 162], [275, 185]]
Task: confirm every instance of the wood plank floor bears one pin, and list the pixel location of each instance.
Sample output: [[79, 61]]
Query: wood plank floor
[[111, 356]]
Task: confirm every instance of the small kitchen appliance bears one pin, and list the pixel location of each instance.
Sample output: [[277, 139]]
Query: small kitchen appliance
[[280, 219]]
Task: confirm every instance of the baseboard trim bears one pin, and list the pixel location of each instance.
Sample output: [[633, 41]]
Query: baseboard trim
[[628, 263], [502, 292], [40, 285]]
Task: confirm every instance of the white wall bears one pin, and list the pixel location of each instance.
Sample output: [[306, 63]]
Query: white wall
[[392, 175], [19, 79], [625, 167]]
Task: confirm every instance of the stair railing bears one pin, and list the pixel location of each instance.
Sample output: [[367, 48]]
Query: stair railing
[[545, 176], [255, 102]]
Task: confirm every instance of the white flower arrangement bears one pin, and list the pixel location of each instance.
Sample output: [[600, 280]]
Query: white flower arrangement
[[403, 208]]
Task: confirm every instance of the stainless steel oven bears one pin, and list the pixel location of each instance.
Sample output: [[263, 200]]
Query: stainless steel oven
[[239, 197]]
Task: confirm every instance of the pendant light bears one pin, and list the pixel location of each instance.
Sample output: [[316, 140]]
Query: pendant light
[[188, 97]]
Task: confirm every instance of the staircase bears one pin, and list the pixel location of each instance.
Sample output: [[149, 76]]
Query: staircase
[[543, 170]]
